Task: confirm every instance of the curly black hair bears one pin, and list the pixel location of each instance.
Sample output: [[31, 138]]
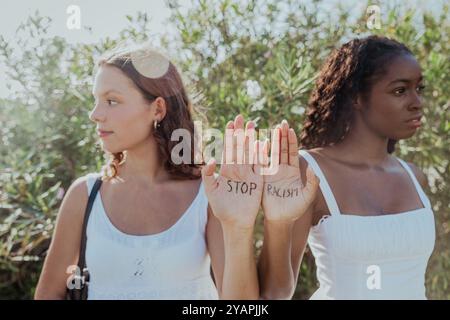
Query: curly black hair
[[350, 70]]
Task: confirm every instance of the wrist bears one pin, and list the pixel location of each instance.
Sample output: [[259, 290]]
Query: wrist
[[235, 235], [282, 224], [237, 228]]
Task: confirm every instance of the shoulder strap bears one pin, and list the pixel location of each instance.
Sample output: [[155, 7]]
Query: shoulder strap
[[92, 195], [423, 197], [324, 186]]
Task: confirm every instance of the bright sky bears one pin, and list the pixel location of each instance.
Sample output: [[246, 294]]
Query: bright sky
[[105, 17]]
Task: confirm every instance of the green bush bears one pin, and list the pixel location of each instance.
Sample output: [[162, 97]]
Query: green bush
[[222, 48]]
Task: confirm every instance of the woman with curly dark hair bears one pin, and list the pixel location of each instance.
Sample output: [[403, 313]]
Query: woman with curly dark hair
[[371, 227]]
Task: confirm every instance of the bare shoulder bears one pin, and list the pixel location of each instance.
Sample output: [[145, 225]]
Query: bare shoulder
[[78, 190], [70, 216], [421, 177], [315, 152], [79, 185], [75, 200]]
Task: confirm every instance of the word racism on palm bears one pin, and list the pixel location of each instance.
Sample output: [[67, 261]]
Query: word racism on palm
[[241, 187], [272, 190]]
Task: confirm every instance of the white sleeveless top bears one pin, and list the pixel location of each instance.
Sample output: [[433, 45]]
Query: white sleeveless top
[[371, 257], [173, 264]]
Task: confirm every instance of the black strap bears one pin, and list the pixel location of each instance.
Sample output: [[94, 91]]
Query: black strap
[[92, 195]]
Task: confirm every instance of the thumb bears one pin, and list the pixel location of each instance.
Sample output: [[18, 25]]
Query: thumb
[[208, 174], [261, 157], [312, 184], [312, 181]]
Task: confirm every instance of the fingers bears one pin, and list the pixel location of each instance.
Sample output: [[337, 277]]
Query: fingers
[[238, 140], [261, 156], [284, 156], [249, 142], [241, 147], [275, 148], [293, 148], [227, 153], [208, 177], [256, 157], [265, 153]]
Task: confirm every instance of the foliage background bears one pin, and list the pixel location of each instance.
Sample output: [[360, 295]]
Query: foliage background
[[257, 58]]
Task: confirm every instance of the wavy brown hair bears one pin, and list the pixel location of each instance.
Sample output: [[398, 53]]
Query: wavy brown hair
[[350, 70], [179, 113]]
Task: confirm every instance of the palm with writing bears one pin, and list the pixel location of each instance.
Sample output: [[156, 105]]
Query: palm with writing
[[285, 197], [235, 193]]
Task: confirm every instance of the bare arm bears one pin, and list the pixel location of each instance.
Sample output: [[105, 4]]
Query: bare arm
[[232, 259], [288, 199], [234, 196], [299, 240], [274, 265], [281, 256], [64, 247]]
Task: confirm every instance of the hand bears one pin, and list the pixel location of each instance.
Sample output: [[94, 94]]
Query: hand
[[285, 198], [235, 194]]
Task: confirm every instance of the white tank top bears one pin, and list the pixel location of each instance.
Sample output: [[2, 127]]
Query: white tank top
[[371, 257], [173, 264]]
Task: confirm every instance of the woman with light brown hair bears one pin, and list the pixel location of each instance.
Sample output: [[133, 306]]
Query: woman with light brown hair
[[150, 232]]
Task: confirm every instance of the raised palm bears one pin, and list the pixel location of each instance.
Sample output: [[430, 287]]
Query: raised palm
[[235, 193], [285, 197]]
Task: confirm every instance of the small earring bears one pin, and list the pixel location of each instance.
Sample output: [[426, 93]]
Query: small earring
[[155, 124]]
